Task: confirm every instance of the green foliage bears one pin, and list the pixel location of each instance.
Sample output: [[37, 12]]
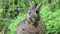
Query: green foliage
[[51, 19]]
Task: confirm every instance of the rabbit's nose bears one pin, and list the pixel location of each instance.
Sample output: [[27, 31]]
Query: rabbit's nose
[[35, 24]]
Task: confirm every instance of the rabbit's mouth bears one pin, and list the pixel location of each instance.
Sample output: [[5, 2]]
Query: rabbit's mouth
[[35, 24]]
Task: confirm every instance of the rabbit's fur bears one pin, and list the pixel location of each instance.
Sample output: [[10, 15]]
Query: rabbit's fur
[[32, 24]]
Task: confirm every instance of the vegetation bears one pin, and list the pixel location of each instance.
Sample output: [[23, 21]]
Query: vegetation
[[12, 12]]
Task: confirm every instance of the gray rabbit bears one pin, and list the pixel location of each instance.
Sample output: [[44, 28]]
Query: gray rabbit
[[32, 24]]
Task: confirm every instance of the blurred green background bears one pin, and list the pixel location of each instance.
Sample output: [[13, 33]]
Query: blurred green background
[[12, 12]]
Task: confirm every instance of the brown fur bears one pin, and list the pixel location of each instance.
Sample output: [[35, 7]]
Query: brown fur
[[32, 24]]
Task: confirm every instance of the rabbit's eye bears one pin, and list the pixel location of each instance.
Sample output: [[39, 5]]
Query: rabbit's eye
[[37, 12]]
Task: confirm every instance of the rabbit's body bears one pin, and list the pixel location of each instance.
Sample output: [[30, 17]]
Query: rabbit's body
[[26, 28], [32, 24]]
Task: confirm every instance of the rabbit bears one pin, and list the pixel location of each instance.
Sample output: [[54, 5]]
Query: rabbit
[[32, 24]]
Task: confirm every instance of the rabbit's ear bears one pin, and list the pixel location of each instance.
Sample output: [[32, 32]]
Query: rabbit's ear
[[31, 4], [38, 6]]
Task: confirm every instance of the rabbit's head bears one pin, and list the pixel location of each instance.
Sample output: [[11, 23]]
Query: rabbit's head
[[33, 14]]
